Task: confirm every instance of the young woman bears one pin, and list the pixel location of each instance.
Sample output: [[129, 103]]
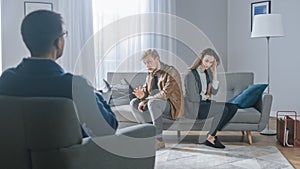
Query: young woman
[[200, 83]]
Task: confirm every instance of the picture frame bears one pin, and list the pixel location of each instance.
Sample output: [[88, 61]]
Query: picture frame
[[257, 8], [30, 6]]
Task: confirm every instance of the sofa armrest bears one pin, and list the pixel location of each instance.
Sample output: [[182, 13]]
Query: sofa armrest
[[265, 108], [112, 151]]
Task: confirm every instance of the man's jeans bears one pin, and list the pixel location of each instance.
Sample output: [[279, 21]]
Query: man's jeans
[[154, 112]]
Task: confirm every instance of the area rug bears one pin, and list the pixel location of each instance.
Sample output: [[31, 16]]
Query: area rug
[[198, 156]]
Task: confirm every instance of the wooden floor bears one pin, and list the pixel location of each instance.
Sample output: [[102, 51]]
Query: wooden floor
[[236, 138]]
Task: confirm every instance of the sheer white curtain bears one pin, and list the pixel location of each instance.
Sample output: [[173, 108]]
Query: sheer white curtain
[[78, 18], [111, 51], [112, 35], [120, 37]]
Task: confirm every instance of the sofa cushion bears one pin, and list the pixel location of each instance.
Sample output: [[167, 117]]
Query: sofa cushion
[[246, 115], [248, 97], [118, 94]]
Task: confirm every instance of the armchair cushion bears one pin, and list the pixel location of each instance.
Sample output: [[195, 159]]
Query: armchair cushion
[[248, 97]]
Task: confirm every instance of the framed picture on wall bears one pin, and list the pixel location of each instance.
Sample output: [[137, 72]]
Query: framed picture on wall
[[30, 6], [257, 8]]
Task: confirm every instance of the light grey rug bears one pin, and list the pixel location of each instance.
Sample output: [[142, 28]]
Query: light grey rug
[[196, 156]]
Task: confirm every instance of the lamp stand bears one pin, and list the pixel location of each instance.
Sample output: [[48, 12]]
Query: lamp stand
[[268, 131]]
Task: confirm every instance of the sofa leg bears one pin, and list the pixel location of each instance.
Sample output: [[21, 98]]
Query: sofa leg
[[249, 137], [178, 134]]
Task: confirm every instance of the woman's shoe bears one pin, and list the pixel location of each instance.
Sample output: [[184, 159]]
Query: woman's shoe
[[214, 145], [208, 143], [218, 143]]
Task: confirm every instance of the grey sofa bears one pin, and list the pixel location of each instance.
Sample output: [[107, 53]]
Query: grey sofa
[[44, 133], [245, 120]]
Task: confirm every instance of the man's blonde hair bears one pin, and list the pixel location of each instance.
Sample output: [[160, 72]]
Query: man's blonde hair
[[150, 52]]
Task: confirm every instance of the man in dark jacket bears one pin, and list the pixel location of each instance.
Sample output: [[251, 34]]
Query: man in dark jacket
[[40, 76]]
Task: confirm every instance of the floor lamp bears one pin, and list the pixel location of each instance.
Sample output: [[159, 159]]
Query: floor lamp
[[267, 26]]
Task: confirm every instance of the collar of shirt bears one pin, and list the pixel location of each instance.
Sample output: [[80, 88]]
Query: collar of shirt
[[201, 70], [39, 66]]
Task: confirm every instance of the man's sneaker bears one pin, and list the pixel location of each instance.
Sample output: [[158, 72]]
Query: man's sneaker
[[160, 144]]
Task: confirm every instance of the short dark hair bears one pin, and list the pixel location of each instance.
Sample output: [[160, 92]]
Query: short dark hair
[[40, 29]]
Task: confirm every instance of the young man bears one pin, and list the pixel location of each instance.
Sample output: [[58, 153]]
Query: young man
[[161, 96], [40, 76]]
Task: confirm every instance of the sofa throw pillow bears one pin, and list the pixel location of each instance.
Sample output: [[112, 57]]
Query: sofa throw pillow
[[118, 94], [249, 96]]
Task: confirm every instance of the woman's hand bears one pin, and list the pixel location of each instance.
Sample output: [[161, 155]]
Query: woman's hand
[[213, 69], [139, 92]]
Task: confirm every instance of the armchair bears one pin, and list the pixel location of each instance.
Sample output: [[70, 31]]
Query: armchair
[[43, 132]]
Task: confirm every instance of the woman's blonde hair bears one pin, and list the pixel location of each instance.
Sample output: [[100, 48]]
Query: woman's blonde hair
[[150, 52], [198, 60]]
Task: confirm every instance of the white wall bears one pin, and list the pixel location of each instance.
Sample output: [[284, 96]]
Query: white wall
[[210, 16], [13, 48], [246, 54]]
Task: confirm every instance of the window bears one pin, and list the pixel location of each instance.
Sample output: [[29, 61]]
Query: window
[[122, 52], [120, 37]]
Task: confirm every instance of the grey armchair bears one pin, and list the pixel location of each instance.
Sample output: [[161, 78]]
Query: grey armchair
[[44, 133]]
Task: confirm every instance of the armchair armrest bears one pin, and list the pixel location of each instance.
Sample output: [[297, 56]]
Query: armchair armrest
[[122, 150], [265, 109], [138, 131]]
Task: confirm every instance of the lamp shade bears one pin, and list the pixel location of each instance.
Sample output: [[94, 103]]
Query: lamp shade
[[267, 25]]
